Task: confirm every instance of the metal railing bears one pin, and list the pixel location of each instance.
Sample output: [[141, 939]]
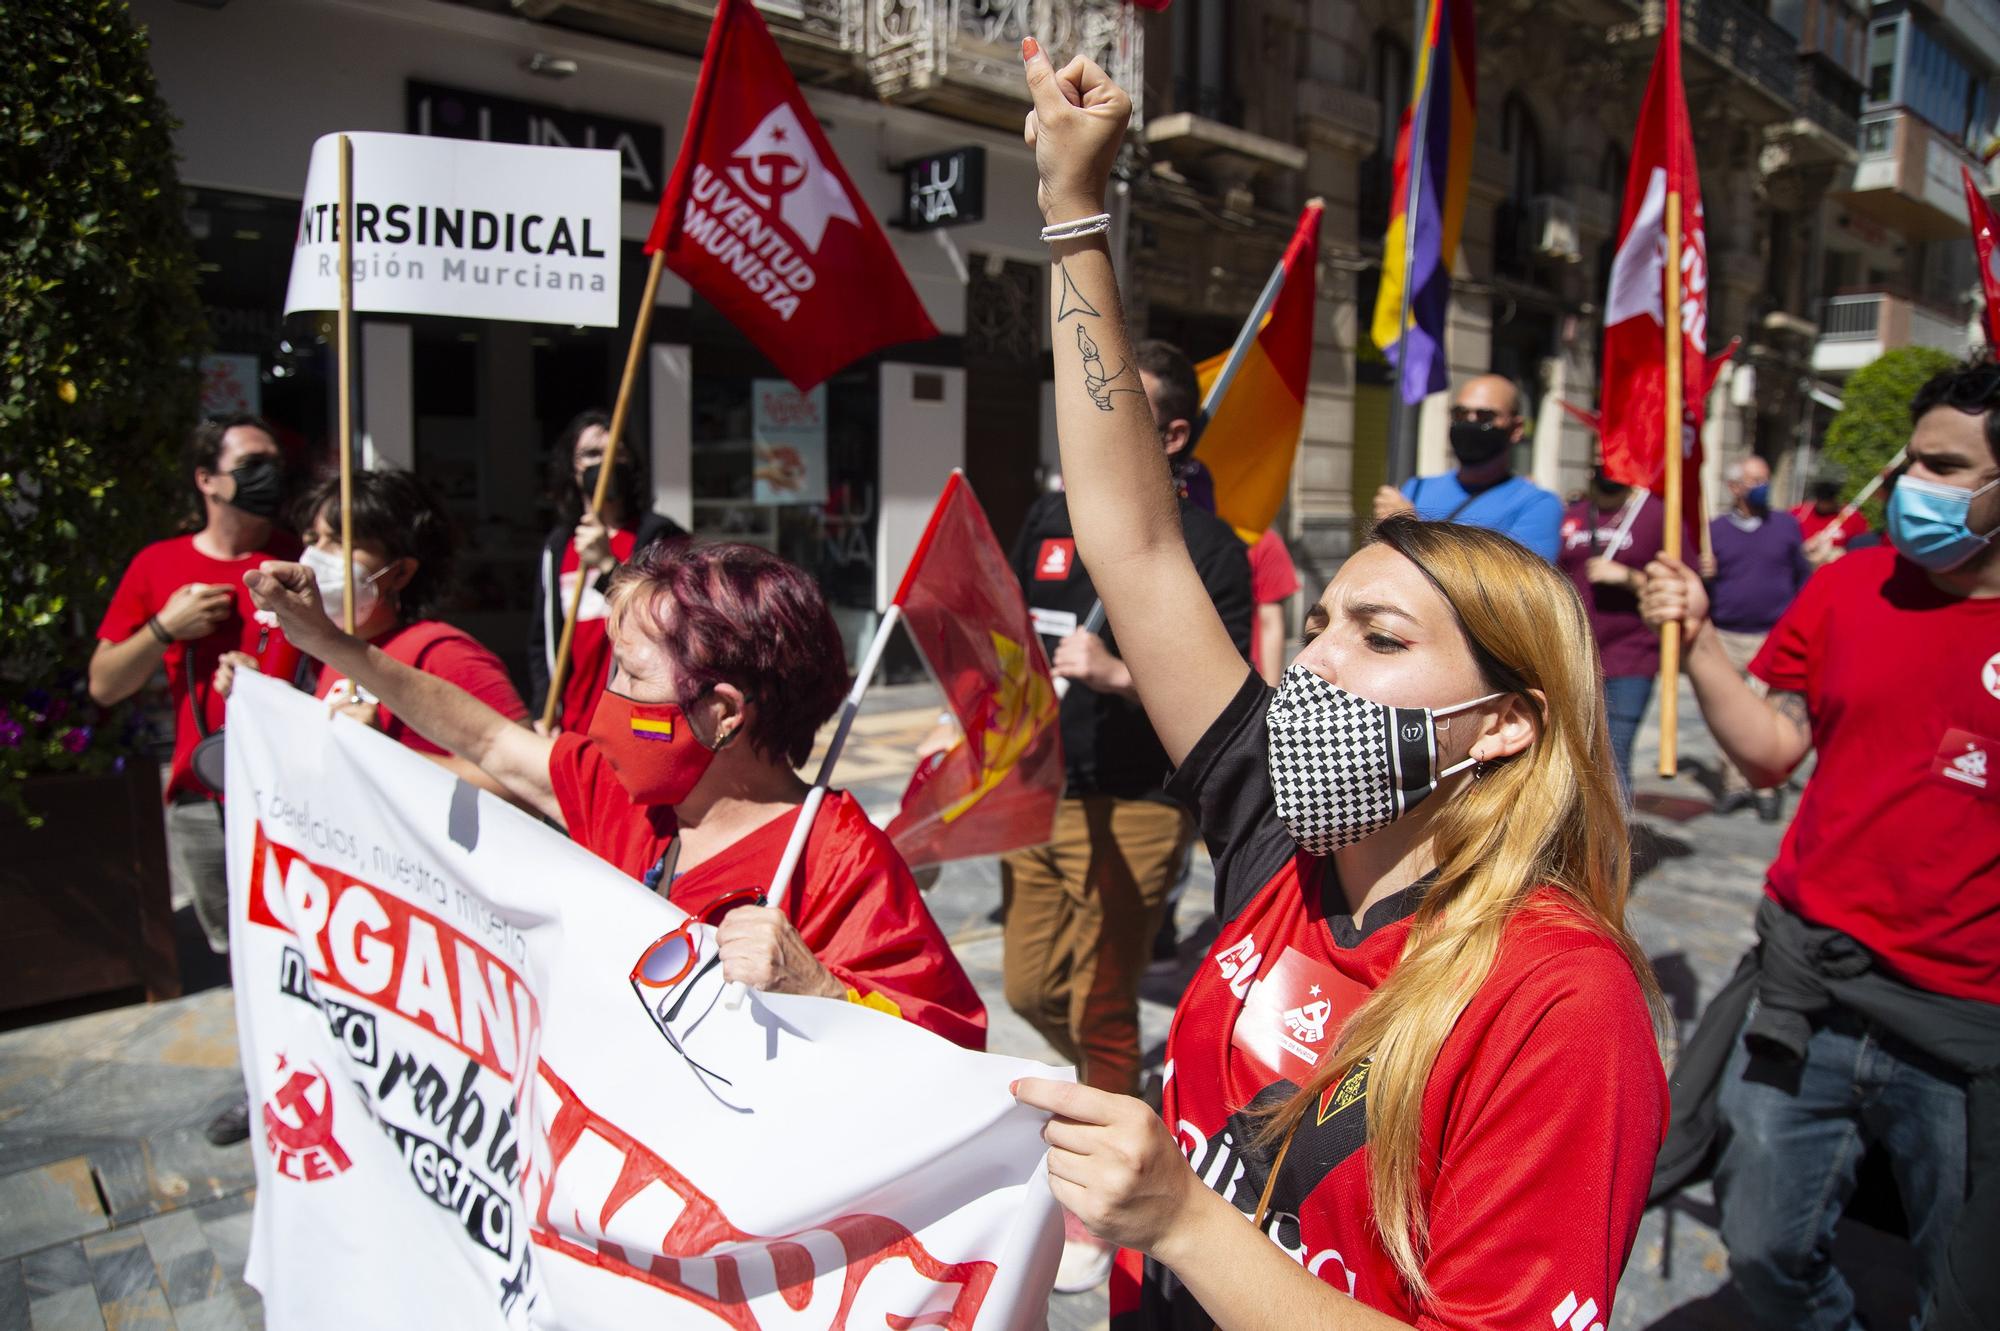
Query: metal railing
[[1759, 48], [1852, 318], [1828, 97], [1735, 34]]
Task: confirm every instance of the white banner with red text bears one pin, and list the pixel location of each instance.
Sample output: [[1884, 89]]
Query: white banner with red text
[[492, 1084]]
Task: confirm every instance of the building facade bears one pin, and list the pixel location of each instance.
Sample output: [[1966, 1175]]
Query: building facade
[[474, 405], [1829, 136]]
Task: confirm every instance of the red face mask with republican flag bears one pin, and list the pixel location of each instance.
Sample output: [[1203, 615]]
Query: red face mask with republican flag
[[658, 757]]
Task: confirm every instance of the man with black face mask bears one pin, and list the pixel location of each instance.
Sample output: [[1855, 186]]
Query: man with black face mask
[[181, 604], [1486, 424]]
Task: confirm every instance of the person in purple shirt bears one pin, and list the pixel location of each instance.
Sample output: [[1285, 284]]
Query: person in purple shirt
[[1608, 537], [1756, 566]]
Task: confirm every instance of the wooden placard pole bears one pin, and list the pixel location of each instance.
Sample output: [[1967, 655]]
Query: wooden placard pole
[[344, 359], [1670, 633], [640, 325]]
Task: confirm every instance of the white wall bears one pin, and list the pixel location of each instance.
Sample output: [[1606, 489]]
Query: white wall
[[671, 383], [388, 404], [921, 443]]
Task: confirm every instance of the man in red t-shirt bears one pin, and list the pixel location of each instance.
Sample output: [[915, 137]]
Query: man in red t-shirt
[[181, 604], [1826, 532], [1878, 1015]]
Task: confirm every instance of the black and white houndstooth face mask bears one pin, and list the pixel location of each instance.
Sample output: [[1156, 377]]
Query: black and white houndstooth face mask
[[1344, 767]]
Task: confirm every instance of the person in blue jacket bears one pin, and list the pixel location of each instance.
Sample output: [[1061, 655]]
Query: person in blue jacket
[[1486, 423]]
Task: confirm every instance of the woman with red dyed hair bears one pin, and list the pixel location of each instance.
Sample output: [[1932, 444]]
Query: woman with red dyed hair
[[726, 663]]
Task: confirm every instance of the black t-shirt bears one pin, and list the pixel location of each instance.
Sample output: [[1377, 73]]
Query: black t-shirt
[[1108, 745]]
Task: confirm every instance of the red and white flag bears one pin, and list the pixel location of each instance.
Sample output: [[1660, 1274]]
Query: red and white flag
[[1633, 402], [997, 789], [1985, 239], [760, 218]]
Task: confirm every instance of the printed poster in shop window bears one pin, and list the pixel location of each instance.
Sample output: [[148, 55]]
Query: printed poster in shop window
[[788, 443]]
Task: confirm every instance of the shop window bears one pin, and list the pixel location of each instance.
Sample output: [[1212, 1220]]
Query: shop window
[[259, 360], [797, 474]]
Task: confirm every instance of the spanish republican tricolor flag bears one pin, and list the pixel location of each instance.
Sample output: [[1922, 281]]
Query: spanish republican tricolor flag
[[1432, 212], [1253, 397]]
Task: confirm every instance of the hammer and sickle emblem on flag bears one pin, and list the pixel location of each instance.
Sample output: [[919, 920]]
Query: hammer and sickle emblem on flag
[[778, 167]]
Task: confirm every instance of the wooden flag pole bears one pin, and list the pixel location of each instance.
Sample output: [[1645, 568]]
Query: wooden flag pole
[[640, 325], [1670, 633], [344, 358]]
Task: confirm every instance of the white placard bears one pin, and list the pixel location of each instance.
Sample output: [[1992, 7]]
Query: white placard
[[474, 1107], [461, 227]]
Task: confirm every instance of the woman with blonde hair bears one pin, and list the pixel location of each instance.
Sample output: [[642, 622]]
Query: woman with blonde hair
[[1421, 1057]]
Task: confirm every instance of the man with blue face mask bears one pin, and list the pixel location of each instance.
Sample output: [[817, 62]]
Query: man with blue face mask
[[1877, 975]]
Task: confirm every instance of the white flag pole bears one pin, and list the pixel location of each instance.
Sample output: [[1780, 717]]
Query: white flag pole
[[809, 811], [1091, 624]]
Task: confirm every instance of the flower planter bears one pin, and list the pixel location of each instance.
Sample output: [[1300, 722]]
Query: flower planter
[[85, 907]]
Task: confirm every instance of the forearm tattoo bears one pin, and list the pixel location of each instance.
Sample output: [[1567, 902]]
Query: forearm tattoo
[[1099, 381], [1791, 707]]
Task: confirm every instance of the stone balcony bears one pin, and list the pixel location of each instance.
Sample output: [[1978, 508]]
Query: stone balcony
[[963, 57], [960, 58]]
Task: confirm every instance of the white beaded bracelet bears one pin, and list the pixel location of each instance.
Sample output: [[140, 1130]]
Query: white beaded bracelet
[[1095, 224]]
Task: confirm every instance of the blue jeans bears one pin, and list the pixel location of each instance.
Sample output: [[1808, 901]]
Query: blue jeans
[[1625, 700], [1797, 1136]]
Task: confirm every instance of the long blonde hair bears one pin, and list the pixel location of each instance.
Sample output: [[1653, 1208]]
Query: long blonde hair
[[1550, 816]]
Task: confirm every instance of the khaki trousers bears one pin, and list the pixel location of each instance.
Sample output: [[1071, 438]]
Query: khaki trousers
[[1081, 913], [1741, 649]]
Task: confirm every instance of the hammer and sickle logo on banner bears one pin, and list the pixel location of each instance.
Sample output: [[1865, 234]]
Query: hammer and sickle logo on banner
[[778, 168], [299, 1115]]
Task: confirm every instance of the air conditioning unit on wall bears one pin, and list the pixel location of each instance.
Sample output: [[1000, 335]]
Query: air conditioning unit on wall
[[1552, 228]]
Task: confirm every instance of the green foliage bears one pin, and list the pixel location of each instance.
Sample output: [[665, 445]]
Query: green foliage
[[1874, 418], [100, 333]]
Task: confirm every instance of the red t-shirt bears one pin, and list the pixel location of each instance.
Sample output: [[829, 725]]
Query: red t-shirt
[[453, 655], [1541, 1117], [852, 899], [1812, 522], [1896, 841], [155, 574], [590, 648], [1273, 577]]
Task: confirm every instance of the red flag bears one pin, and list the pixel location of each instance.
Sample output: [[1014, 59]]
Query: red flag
[[761, 219], [1633, 401], [1985, 235], [997, 788]]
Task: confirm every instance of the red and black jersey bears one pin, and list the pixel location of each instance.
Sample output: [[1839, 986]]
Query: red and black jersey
[[1541, 1118]]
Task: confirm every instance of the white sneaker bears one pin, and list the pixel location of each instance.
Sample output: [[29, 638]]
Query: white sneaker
[[1086, 1259]]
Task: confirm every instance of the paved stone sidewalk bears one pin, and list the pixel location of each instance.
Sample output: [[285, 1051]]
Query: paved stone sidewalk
[[116, 1213]]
